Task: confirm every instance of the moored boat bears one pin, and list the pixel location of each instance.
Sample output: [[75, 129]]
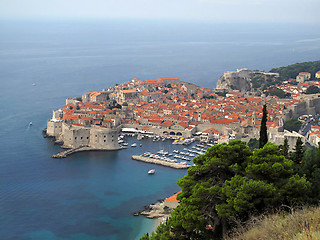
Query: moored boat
[[152, 171]]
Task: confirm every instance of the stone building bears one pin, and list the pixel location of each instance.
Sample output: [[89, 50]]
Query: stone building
[[303, 76], [76, 135]]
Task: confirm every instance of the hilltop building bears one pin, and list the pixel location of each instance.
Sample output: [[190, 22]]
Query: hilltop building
[[303, 76]]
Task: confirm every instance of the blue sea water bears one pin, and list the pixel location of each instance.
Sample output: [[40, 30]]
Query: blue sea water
[[92, 195]]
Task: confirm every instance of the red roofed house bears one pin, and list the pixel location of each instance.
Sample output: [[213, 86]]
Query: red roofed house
[[303, 76], [172, 201]]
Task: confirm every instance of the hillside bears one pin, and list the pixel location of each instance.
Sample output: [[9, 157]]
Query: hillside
[[293, 70], [245, 80], [302, 224]]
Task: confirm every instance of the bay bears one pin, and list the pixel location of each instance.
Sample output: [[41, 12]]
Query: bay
[[92, 195]]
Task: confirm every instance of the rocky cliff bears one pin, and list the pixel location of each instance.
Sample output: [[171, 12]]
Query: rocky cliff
[[235, 80]]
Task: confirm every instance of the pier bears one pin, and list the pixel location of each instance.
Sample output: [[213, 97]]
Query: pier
[[160, 162], [66, 153]]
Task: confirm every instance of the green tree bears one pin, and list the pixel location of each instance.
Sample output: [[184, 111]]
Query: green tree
[[230, 182], [162, 233], [298, 151], [201, 191], [285, 147], [313, 89], [277, 92], [263, 128], [292, 124], [293, 70], [253, 143], [311, 169]]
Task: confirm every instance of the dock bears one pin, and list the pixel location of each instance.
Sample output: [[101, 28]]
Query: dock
[[160, 162], [66, 153], [70, 151]]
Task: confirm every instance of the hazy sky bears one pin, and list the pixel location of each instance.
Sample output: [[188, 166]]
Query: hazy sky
[[216, 10]]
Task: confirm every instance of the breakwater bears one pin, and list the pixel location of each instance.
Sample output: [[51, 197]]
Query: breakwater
[[68, 152], [71, 151], [160, 162]]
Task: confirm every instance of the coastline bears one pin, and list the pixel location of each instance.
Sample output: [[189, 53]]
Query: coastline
[[147, 226]]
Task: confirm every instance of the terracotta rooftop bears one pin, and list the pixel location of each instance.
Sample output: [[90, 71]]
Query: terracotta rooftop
[[173, 198]]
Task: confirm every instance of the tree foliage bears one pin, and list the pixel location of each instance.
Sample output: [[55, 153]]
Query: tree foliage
[[293, 70], [232, 182], [298, 151], [292, 125], [253, 143], [313, 89], [277, 92], [263, 128], [285, 147], [310, 168]]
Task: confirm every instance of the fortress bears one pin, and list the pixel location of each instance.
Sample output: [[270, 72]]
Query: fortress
[[72, 136]]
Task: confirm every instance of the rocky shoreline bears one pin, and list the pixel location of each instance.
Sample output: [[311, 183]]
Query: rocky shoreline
[[155, 211]]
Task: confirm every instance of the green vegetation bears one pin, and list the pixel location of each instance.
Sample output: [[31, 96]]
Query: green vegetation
[[229, 183], [208, 97], [292, 125], [263, 128], [114, 104], [257, 81], [222, 94], [277, 92], [263, 82], [300, 224], [298, 151], [253, 143], [313, 89], [310, 167], [293, 70], [285, 147]]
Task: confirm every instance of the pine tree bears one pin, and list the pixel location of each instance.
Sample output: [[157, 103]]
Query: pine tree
[[263, 129], [298, 151], [285, 147]]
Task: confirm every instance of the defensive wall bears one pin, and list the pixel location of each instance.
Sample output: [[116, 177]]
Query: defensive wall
[[310, 106], [78, 136]]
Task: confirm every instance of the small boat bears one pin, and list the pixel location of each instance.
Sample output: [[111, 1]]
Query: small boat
[[133, 145], [152, 171]]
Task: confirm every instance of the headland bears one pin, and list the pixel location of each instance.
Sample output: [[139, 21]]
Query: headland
[[172, 109]]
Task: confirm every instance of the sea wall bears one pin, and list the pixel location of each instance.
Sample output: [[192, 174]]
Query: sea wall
[[104, 138], [310, 106], [54, 128]]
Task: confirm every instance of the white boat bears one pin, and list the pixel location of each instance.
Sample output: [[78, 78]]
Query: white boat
[[133, 145], [152, 171]]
